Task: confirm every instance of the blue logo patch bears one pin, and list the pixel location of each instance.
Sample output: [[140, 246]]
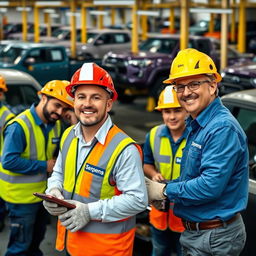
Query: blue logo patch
[[55, 140], [94, 170], [178, 160]]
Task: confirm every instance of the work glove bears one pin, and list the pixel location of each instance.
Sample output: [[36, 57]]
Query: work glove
[[155, 190], [53, 208], [76, 218]]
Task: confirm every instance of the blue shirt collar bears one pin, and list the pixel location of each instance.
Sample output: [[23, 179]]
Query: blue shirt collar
[[166, 133]]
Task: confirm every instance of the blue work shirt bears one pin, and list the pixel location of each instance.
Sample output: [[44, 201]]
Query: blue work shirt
[[147, 151], [214, 168], [15, 143]]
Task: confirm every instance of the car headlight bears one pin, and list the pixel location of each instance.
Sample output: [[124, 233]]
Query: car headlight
[[140, 63], [223, 74], [253, 82]]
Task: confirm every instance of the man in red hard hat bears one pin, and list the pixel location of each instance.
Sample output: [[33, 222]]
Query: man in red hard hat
[[99, 168]]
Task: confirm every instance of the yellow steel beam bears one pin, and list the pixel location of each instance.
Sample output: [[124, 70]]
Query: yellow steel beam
[[36, 25], [224, 35], [233, 24], [73, 28], [184, 24], [135, 40], [100, 19], [24, 21], [83, 25], [144, 24], [172, 20], [242, 26], [113, 16]]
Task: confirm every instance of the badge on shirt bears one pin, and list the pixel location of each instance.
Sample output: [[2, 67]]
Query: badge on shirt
[[55, 140], [94, 170], [178, 160]]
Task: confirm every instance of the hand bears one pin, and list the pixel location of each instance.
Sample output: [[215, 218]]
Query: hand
[[53, 208], [158, 177], [76, 218], [155, 190], [50, 164]]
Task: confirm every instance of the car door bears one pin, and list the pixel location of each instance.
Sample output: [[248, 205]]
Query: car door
[[48, 64], [246, 116]]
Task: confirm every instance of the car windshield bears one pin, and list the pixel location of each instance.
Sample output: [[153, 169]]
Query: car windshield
[[10, 54], [91, 36], [161, 45]]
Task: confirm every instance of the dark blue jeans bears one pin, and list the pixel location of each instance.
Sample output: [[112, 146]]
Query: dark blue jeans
[[28, 226], [2, 209], [165, 242]]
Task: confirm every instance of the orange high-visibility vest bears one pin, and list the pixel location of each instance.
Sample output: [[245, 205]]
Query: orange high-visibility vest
[[93, 182], [169, 167]]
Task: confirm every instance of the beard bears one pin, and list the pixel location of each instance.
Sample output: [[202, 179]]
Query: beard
[[48, 114]]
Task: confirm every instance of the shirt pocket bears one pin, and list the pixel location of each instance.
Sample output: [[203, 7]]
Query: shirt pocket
[[193, 162]]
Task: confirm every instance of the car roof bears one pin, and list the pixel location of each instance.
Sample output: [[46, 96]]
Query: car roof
[[241, 96], [13, 76], [28, 45], [174, 36]]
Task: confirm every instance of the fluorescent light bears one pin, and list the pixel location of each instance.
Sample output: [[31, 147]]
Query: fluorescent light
[[48, 3], [49, 10], [4, 3], [3, 10], [110, 3], [21, 9], [98, 12], [148, 13], [210, 10], [76, 14], [54, 15]]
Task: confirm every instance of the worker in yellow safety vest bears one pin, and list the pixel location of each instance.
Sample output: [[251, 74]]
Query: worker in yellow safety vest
[[5, 116], [30, 142], [162, 156], [99, 167]]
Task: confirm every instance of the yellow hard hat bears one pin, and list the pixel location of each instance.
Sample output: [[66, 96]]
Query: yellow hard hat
[[190, 62], [3, 84], [57, 89], [168, 99]]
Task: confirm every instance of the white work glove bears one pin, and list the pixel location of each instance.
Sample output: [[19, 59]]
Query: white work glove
[[155, 190], [53, 208], [76, 218]]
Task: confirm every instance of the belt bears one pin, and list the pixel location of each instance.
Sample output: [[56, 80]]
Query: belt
[[190, 225]]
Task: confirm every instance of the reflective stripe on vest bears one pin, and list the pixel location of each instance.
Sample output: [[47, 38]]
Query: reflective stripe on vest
[[93, 182], [169, 167], [19, 188]]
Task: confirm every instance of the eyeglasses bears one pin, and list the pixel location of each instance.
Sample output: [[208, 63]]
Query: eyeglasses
[[192, 86]]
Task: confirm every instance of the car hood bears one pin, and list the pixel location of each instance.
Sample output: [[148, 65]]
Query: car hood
[[6, 65], [139, 55], [247, 69]]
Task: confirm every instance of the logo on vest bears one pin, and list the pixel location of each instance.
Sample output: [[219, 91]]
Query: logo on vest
[[94, 170], [178, 160], [55, 140]]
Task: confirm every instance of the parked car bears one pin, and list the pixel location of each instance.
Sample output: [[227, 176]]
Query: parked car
[[202, 27], [100, 42], [243, 106], [14, 27], [142, 73], [44, 62], [22, 89], [237, 77], [31, 35]]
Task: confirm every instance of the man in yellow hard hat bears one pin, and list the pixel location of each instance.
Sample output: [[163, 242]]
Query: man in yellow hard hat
[[162, 156], [5, 116], [31, 141], [213, 187]]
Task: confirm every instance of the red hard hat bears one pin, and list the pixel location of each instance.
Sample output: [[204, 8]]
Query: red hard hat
[[92, 74]]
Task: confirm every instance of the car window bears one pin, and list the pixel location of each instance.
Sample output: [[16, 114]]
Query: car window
[[106, 38], [56, 55], [247, 120], [159, 45], [38, 55], [121, 38]]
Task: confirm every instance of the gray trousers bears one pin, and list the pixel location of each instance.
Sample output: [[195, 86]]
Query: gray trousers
[[222, 241]]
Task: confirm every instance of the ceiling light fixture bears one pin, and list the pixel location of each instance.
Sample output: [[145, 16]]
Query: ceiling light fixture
[[210, 10], [111, 3]]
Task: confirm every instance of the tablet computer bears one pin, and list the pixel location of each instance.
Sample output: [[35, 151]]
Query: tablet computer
[[56, 200]]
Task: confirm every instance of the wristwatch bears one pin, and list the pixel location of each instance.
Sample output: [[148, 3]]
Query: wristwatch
[[164, 190]]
